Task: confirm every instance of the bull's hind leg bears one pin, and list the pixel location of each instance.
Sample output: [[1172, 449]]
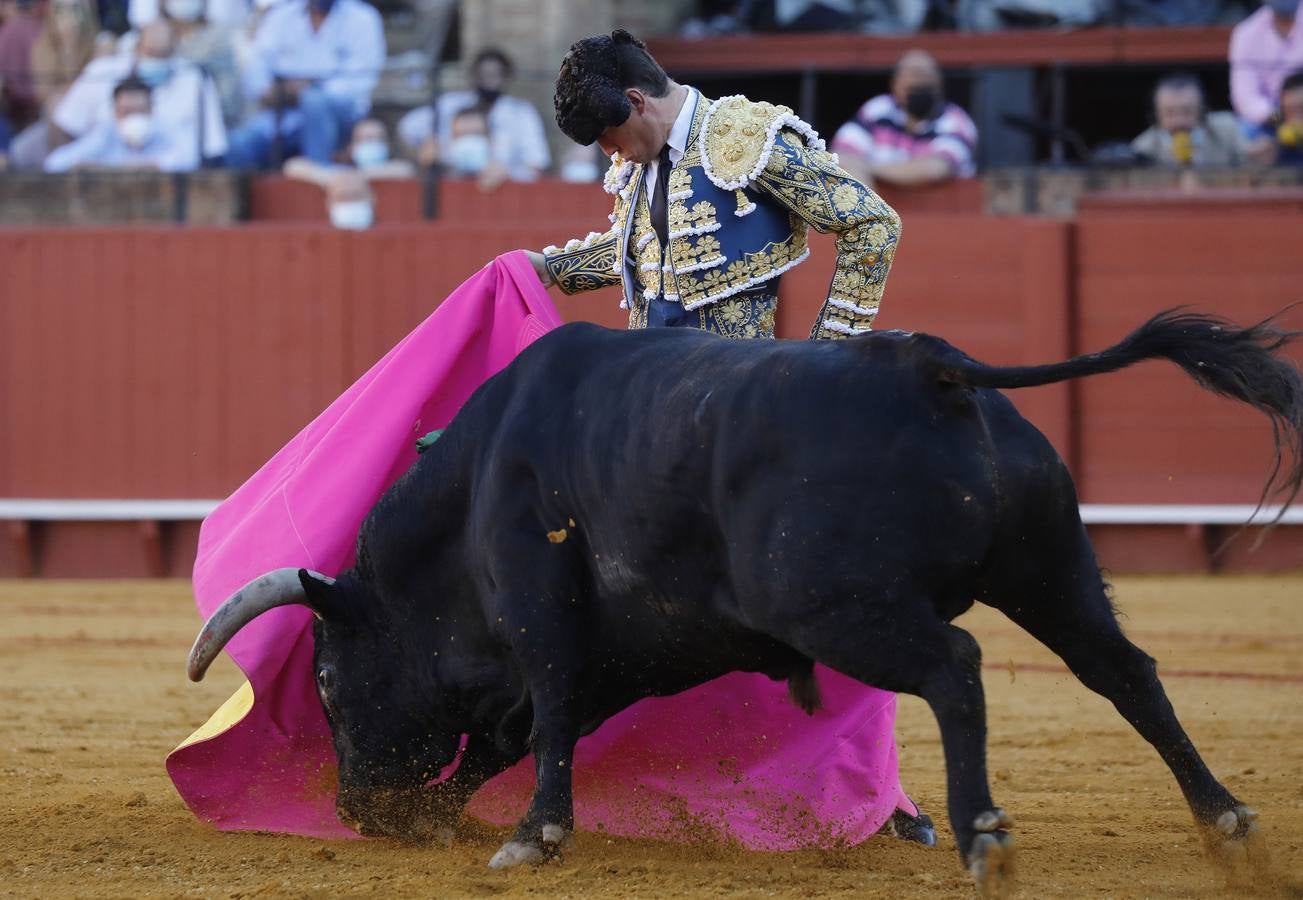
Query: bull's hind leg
[[1069, 611], [916, 653]]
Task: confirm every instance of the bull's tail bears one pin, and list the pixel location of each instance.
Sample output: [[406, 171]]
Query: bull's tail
[[1241, 363]]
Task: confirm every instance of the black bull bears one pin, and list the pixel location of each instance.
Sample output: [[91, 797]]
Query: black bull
[[619, 515]]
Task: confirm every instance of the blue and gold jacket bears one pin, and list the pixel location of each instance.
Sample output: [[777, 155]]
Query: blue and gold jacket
[[753, 178]]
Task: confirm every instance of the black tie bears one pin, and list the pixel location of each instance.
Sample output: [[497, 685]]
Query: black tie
[[659, 208]]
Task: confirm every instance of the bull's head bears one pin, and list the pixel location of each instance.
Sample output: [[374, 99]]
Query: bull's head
[[392, 736]]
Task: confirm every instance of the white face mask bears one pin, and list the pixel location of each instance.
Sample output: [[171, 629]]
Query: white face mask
[[469, 154], [352, 215], [184, 10], [135, 130], [370, 153]]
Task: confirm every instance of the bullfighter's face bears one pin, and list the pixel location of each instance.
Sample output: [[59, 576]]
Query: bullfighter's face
[[385, 718], [639, 138]]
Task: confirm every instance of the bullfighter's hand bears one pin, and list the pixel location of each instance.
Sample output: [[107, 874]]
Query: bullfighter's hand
[[540, 267]]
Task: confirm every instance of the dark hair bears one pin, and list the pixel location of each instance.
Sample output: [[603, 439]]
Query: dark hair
[[1176, 81], [594, 76], [1293, 81], [495, 54], [132, 85]]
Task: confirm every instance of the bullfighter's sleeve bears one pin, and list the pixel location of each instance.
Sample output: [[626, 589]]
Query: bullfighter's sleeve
[[813, 186], [585, 265]]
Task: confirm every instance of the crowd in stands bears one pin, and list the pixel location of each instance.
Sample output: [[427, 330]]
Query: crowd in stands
[[910, 16], [248, 84]]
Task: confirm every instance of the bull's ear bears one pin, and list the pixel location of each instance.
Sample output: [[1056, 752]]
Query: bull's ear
[[320, 593]]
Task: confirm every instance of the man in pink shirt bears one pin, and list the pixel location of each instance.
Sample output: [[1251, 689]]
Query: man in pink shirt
[[910, 136], [1265, 47]]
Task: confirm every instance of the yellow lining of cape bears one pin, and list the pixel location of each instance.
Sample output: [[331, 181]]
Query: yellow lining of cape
[[227, 715]]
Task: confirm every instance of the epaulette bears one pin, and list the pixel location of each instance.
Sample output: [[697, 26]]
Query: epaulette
[[737, 136]]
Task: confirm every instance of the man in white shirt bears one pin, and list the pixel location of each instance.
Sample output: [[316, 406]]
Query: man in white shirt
[[517, 144], [177, 88], [313, 66], [130, 141]]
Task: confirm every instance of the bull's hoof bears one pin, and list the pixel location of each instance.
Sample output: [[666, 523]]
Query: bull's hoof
[[1238, 848], [918, 829], [551, 841], [991, 855]]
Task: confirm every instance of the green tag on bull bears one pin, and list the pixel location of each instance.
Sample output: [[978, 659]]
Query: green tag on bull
[[425, 443]]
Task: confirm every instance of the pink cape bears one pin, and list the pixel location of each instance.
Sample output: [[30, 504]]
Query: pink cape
[[731, 759]]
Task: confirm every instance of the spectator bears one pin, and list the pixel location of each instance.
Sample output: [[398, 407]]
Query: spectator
[[469, 152], [131, 141], [1184, 133], [64, 46], [1280, 142], [580, 165], [186, 109], [349, 202], [517, 145], [368, 156], [313, 67], [911, 136], [803, 15], [224, 14], [19, 106], [208, 45], [1264, 48]]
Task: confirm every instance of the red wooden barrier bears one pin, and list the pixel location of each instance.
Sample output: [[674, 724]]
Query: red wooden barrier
[[158, 363], [1148, 434], [274, 198]]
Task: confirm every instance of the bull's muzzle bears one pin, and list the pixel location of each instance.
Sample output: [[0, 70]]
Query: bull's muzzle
[[405, 815]]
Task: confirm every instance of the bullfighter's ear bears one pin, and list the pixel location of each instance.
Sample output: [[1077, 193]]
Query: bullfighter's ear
[[319, 592]]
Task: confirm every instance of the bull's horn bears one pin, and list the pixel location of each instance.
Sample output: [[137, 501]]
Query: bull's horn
[[281, 587]]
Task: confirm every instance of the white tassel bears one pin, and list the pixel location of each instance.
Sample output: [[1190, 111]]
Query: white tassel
[[690, 232], [704, 264], [851, 307], [844, 329]]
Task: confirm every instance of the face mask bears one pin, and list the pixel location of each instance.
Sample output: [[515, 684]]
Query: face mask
[[352, 215], [488, 96], [579, 170], [922, 102], [370, 153], [321, 6], [185, 10], [1286, 9], [153, 71], [135, 130], [469, 154]]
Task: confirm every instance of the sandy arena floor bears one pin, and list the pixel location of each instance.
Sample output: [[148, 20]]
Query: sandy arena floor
[[95, 695]]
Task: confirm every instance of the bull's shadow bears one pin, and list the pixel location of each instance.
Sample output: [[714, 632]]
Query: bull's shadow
[[754, 506]]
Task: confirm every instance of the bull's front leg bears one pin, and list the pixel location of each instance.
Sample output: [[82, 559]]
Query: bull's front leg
[[544, 628], [547, 825]]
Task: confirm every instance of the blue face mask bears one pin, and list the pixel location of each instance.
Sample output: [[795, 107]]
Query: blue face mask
[[153, 71], [321, 7], [370, 153], [1286, 9]]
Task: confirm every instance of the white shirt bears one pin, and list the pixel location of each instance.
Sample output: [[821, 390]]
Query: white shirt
[[344, 56], [231, 13], [89, 104], [104, 147], [677, 141], [516, 136]]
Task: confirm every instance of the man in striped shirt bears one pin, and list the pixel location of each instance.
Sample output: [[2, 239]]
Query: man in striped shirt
[[911, 136]]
